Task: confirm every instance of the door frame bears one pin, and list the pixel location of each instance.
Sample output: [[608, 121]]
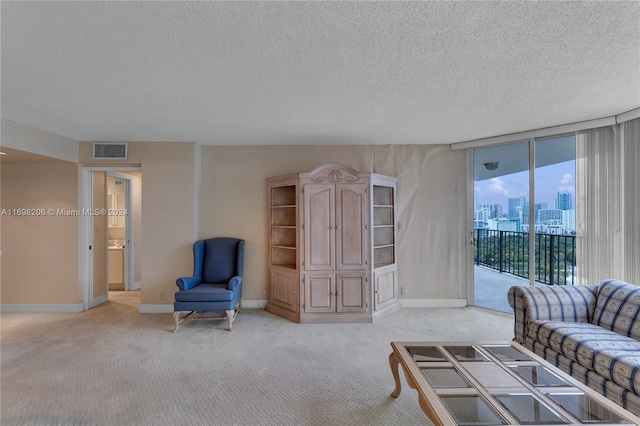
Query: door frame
[[532, 142], [85, 223]]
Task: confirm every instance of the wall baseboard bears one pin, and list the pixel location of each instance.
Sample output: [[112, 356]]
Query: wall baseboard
[[254, 304], [100, 300], [168, 309], [62, 308], [433, 303]]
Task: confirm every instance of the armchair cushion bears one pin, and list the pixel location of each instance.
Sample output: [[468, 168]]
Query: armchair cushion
[[220, 260], [205, 293]]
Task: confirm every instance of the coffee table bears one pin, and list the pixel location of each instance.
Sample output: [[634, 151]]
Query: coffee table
[[497, 383]]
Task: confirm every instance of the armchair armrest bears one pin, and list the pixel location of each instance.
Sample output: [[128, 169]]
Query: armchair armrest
[[550, 303], [185, 283], [234, 283]]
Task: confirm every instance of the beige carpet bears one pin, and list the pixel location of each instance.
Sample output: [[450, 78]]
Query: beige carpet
[[113, 366]]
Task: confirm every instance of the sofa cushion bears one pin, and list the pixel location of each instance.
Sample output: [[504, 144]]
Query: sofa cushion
[[205, 293], [622, 367], [613, 391], [618, 308], [613, 356]]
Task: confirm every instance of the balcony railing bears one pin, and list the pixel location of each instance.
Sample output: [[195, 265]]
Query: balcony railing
[[508, 251]]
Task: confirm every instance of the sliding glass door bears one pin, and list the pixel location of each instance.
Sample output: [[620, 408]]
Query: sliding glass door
[[524, 217], [501, 243], [554, 211]]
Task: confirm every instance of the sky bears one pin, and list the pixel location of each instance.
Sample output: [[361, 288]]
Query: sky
[[549, 181]]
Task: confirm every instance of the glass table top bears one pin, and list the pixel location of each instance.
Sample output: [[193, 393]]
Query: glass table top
[[466, 353], [529, 410], [471, 410], [538, 375], [585, 408], [446, 377], [425, 354], [507, 353], [502, 383]]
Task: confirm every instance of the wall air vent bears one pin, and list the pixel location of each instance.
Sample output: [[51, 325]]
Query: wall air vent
[[109, 151]]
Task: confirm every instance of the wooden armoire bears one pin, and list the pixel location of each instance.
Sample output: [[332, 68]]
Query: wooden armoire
[[332, 245]]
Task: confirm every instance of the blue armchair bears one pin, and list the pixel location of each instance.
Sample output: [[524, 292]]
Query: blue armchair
[[216, 284]]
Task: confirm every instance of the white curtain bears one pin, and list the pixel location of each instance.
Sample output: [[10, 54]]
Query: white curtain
[[608, 197], [630, 135]]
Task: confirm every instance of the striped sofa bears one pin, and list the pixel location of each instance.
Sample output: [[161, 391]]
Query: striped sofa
[[591, 332]]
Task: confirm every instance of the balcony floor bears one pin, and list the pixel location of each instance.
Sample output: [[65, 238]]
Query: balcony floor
[[491, 288]]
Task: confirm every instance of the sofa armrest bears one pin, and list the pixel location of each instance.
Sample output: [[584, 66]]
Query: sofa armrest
[[234, 283], [185, 283], [550, 303]]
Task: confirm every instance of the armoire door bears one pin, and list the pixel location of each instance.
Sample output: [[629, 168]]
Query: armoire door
[[319, 227], [351, 292], [320, 292], [351, 218]]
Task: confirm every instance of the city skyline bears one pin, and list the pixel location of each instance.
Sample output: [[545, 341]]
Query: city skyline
[[549, 181]]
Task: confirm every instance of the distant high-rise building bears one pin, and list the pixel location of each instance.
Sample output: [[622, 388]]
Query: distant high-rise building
[[537, 207], [483, 214], [569, 221], [496, 210], [563, 201], [550, 216], [514, 203], [508, 225]]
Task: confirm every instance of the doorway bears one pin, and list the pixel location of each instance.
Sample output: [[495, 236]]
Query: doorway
[[111, 232], [121, 224]]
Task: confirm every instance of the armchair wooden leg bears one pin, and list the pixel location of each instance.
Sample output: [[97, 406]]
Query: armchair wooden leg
[[178, 320], [230, 317], [176, 317]]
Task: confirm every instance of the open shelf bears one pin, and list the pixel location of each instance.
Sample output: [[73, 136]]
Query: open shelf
[[283, 237], [384, 233], [382, 215], [283, 226], [283, 256], [382, 195], [383, 236], [283, 216], [283, 196]]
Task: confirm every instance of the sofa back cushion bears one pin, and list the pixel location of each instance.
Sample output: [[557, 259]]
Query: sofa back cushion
[[618, 308]]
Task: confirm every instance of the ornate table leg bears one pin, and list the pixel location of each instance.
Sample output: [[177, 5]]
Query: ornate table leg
[[393, 362]]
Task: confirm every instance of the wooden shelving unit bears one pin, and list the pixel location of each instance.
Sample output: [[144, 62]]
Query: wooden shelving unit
[[333, 245]]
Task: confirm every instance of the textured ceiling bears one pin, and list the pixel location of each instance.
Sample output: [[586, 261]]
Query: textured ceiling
[[315, 72]]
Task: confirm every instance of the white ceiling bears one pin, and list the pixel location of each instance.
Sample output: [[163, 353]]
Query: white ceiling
[[315, 72]]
